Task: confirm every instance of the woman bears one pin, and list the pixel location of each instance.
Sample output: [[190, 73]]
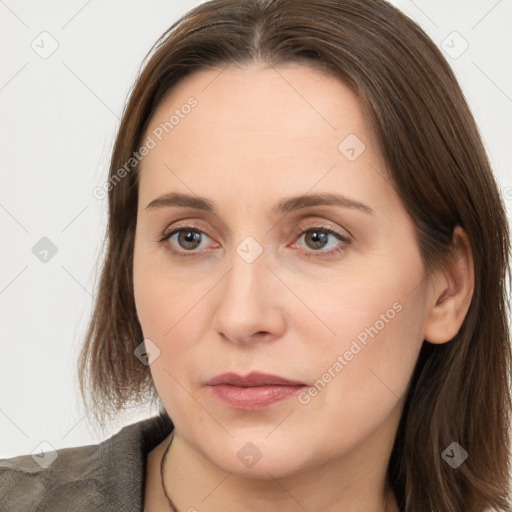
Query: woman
[[306, 265]]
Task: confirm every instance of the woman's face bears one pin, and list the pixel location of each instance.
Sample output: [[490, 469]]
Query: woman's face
[[261, 285]]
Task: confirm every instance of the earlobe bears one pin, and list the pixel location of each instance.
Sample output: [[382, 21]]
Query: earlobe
[[451, 293]]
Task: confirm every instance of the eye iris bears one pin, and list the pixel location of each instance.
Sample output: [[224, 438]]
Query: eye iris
[[189, 237], [319, 238]]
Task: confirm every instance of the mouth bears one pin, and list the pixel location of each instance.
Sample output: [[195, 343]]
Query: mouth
[[253, 392]]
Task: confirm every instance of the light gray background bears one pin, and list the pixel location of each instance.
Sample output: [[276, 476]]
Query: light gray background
[[59, 116]]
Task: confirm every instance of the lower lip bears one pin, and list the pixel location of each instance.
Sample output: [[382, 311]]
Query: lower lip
[[253, 398]]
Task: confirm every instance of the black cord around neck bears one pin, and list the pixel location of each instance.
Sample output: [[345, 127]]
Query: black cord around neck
[[172, 506]]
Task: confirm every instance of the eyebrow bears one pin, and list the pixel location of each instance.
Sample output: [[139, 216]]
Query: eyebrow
[[286, 205]]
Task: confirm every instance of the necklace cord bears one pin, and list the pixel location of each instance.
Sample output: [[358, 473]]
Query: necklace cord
[[172, 506]]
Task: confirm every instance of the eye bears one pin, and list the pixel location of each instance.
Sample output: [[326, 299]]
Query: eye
[[318, 237], [187, 237]]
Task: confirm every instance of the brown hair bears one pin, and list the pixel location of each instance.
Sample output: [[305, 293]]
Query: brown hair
[[460, 390]]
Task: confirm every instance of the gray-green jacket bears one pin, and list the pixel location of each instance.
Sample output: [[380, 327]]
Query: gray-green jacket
[[106, 477]]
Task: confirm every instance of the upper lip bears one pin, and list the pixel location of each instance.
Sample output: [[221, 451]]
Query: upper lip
[[252, 379]]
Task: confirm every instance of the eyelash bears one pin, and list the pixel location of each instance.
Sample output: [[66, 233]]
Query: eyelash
[[298, 233]]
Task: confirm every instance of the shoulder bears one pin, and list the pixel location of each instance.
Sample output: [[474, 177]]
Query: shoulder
[[104, 476], [71, 479]]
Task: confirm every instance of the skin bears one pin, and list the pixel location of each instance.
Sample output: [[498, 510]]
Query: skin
[[257, 135]]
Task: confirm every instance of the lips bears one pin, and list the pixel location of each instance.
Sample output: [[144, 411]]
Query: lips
[[252, 392], [252, 379]]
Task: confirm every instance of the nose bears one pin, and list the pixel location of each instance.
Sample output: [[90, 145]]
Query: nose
[[250, 299]]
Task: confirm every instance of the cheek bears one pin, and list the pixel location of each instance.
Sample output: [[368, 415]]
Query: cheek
[[167, 290], [166, 312], [169, 308], [150, 302], [364, 369], [168, 317], [158, 297]]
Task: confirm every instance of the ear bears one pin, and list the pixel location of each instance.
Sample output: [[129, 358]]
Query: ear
[[452, 290]]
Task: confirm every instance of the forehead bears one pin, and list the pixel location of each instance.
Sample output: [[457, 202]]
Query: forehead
[[255, 126], [257, 102]]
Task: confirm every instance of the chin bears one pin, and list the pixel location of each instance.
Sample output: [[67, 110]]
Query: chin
[[260, 458]]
